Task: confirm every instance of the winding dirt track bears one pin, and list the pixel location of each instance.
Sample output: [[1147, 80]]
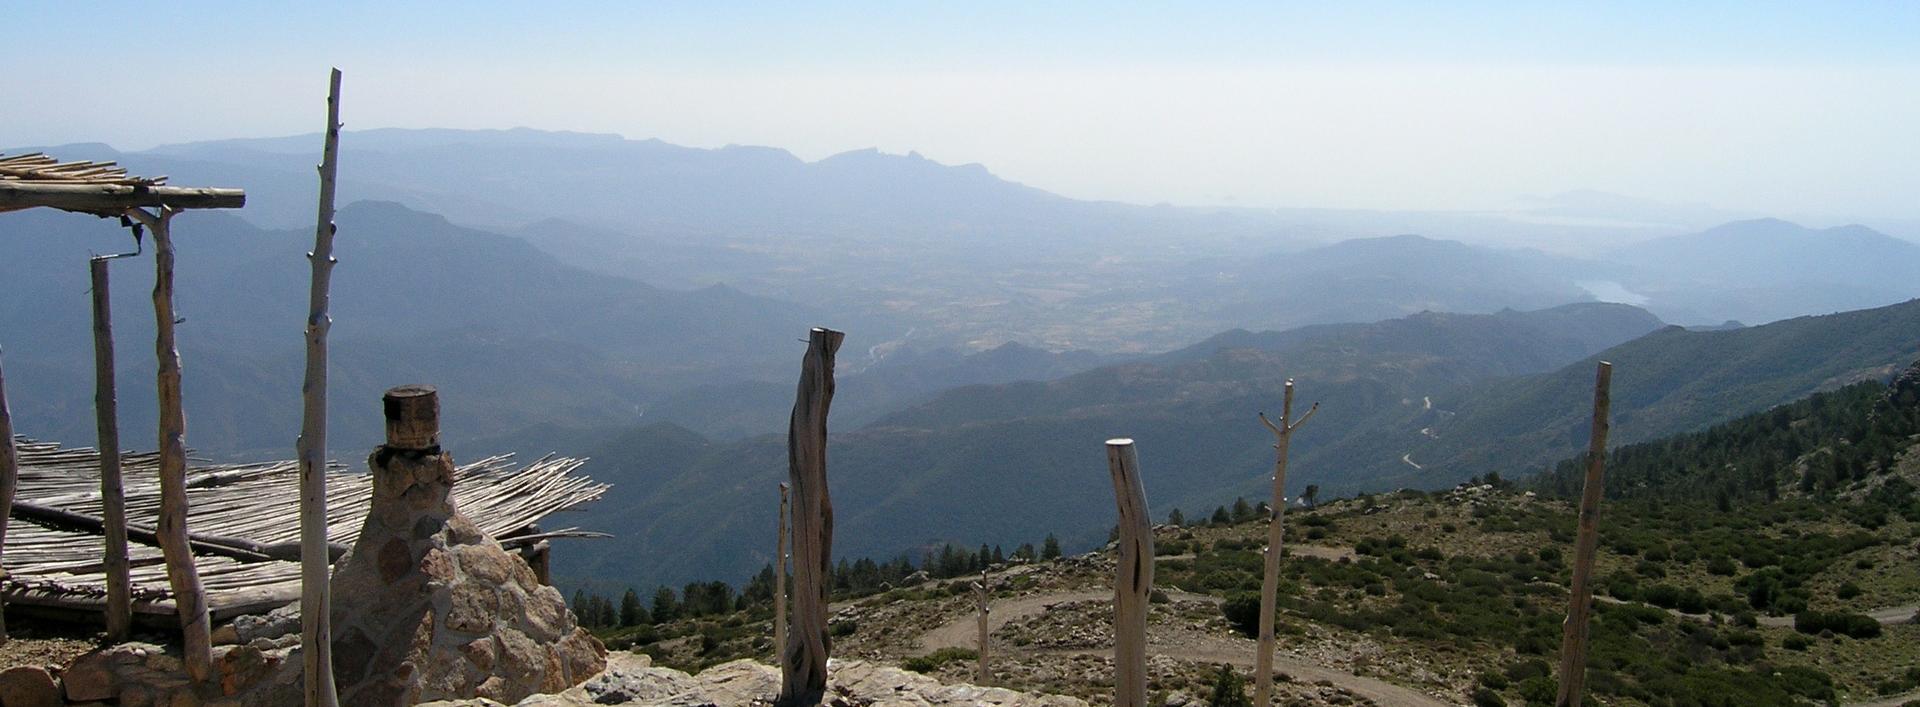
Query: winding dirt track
[[961, 632], [1886, 615]]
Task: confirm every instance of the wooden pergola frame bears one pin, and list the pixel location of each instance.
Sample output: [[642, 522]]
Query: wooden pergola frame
[[143, 204]]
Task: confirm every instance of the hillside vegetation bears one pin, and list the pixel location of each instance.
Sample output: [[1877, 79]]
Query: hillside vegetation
[[1803, 595]]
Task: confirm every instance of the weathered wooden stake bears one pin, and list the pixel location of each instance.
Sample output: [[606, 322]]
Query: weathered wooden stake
[[1573, 636], [780, 580], [113, 494], [803, 671], [1270, 582], [981, 674], [188, 596], [1132, 576], [9, 482], [316, 635]]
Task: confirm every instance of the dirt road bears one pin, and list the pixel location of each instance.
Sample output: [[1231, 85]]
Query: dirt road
[[1885, 615], [1237, 651]]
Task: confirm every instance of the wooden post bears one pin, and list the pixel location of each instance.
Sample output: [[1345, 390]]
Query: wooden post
[[981, 674], [1573, 636], [113, 494], [1132, 576], [780, 580], [803, 672], [9, 482], [316, 607], [188, 596], [1270, 582]]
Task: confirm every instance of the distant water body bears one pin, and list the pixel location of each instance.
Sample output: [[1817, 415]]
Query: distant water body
[[1610, 291]]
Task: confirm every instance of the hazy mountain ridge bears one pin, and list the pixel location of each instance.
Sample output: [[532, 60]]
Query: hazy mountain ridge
[[511, 335], [923, 475], [1668, 382]]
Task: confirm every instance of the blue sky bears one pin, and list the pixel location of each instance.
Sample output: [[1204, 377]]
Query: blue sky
[[1806, 107]]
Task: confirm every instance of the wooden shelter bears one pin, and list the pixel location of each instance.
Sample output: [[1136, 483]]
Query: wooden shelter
[[143, 204], [244, 511]]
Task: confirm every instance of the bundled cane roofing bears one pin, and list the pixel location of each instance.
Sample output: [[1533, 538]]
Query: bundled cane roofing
[[258, 502], [101, 188]]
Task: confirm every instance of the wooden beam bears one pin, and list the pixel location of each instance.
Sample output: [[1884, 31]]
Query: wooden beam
[[114, 198], [803, 670], [240, 549], [190, 597], [1132, 576], [780, 580], [316, 634], [113, 493], [9, 480], [982, 595], [1573, 635]]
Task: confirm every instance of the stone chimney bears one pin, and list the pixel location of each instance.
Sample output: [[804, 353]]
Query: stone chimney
[[428, 607]]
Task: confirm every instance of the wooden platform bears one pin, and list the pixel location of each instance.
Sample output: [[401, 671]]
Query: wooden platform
[[61, 570]]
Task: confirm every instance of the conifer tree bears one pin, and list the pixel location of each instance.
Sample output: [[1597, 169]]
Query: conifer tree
[[632, 612], [1050, 550]]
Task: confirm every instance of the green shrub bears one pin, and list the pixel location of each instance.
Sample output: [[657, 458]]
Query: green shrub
[[1485, 697], [932, 661], [1840, 622], [1229, 690]]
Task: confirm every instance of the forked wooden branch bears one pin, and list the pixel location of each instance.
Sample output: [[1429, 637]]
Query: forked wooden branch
[[316, 606], [190, 597], [1276, 529]]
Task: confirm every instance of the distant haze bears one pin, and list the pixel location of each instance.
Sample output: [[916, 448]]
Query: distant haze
[[1801, 112]]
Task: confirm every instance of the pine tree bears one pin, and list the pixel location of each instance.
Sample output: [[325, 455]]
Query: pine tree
[[1220, 516], [632, 613], [582, 606], [665, 608], [1229, 690], [1241, 511], [1050, 550], [1312, 495], [1175, 519]]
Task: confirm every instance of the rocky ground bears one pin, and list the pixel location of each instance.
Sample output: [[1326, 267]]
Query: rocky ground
[[632, 679]]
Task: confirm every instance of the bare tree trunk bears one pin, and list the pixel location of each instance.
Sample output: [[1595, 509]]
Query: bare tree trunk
[[982, 674], [803, 672], [316, 635], [780, 580], [9, 482], [1270, 582], [188, 596], [1132, 576], [113, 494], [1573, 636]]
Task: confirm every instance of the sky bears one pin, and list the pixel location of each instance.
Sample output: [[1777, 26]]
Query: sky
[[1761, 107]]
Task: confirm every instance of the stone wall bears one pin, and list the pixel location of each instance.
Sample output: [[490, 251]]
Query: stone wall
[[426, 606]]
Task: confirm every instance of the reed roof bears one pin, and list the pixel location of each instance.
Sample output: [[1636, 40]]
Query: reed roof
[[100, 188], [260, 502]]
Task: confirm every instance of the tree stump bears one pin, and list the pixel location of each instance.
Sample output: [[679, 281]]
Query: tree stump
[[1573, 636], [803, 670], [1132, 578]]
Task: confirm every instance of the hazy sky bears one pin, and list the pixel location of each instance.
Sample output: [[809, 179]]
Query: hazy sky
[[1777, 108]]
